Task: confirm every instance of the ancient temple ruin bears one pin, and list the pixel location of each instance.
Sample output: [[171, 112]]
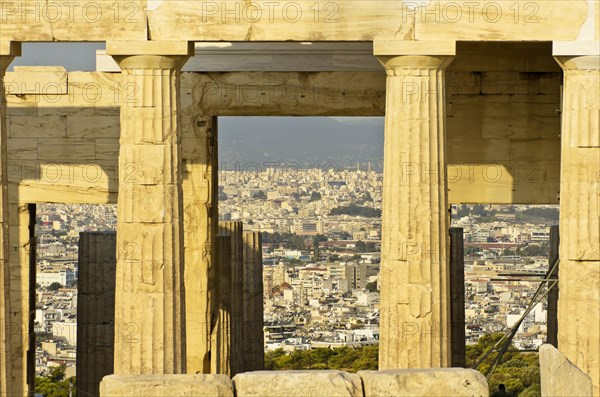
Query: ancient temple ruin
[[484, 102]]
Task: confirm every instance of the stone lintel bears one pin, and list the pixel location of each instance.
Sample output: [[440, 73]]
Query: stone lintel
[[397, 47], [165, 48], [10, 48]]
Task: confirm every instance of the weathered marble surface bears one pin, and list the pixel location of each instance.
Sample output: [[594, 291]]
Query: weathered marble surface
[[297, 384], [166, 385], [434, 382], [560, 377]]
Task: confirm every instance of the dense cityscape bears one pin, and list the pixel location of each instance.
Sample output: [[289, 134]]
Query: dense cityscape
[[321, 241]]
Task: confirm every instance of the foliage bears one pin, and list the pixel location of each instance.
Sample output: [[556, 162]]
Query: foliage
[[550, 214], [54, 286], [344, 359], [288, 240], [520, 372], [261, 195], [361, 246], [356, 210], [372, 286], [55, 384], [315, 196]]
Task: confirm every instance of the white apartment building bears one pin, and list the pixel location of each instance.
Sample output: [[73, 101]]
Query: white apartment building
[[62, 276]]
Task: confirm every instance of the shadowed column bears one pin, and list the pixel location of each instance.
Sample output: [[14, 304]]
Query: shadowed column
[[95, 310], [415, 296], [457, 292], [149, 300], [234, 292], [221, 349], [252, 316]]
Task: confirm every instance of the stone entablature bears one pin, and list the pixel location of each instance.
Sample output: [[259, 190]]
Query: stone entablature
[[300, 20]]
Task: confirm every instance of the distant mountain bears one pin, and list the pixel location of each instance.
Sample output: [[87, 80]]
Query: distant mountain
[[344, 141]]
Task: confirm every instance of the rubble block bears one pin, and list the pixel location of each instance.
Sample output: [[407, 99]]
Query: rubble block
[[560, 377], [297, 384], [159, 385], [428, 382]]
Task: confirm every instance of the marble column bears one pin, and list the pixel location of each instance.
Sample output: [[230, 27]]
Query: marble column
[[95, 310], [221, 339], [200, 190], [252, 300], [579, 250], [415, 295], [150, 297], [12, 372], [232, 292]]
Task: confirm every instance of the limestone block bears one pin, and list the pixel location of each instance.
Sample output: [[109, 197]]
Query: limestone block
[[107, 149], [39, 20], [534, 149], [94, 126], [479, 150], [276, 93], [302, 21], [166, 385], [297, 384], [432, 382], [22, 105], [59, 149], [560, 377], [542, 20], [459, 121], [37, 127], [22, 148], [48, 80]]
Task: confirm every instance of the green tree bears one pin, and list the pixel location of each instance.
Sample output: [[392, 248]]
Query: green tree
[[54, 286], [315, 196], [372, 286], [345, 358], [520, 372], [261, 195], [55, 384], [361, 246]]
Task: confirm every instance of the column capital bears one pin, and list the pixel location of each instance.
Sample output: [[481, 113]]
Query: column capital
[[397, 56], [577, 55], [150, 54]]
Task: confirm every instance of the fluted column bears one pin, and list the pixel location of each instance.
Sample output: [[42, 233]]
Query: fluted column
[[252, 300], [579, 250], [415, 298], [149, 299], [12, 376], [200, 190], [230, 304]]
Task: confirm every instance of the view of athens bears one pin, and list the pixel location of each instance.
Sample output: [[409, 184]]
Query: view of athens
[[300, 198]]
